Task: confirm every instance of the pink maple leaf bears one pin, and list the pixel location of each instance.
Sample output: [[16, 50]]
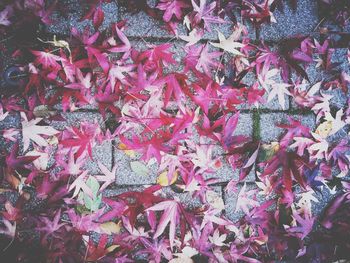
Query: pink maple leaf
[[200, 59], [171, 216], [172, 8]]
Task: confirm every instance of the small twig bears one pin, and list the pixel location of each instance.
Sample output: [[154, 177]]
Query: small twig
[[6, 39], [316, 27]]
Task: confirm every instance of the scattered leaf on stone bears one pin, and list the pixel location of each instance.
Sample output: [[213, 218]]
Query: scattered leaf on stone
[[139, 168]]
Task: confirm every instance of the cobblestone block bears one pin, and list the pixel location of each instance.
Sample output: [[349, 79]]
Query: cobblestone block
[[289, 23], [63, 25], [142, 25], [125, 175], [13, 120], [270, 132]]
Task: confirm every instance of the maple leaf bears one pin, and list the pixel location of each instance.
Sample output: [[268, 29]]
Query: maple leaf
[[203, 160], [339, 155], [48, 60], [203, 12], [294, 129], [301, 143], [322, 105], [81, 139], [172, 8], [279, 90], [291, 164], [108, 177], [84, 83], [33, 132], [173, 88], [230, 45], [199, 58], [158, 54], [100, 57], [244, 200], [319, 149], [118, 72], [5, 16], [217, 239], [193, 37], [171, 216], [337, 122], [14, 162], [137, 202], [50, 227], [125, 48], [305, 227], [204, 97], [98, 18], [79, 184]]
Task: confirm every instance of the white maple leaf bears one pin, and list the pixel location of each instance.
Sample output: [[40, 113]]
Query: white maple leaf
[[193, 37], [108, 177], [279, 90], [218, 239], [322, 106], [267, 80], [337, 122], [80, 184], [230, 45], [33, 132], [319, 149], [244, 200], [301, 143]]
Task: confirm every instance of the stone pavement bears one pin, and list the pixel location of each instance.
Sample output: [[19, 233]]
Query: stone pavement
[[259, 123]]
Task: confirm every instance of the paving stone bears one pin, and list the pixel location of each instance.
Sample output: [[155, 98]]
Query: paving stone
[[268, 121], [13, 120], [125, 175], [63, 25], [290, 23], [102, 152], [142, 25], [315, 75]]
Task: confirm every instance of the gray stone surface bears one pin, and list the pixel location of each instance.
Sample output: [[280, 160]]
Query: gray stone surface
[[13, 120], [63, 25], [268, 121], [142, 25], [289, 24], [126, 176]]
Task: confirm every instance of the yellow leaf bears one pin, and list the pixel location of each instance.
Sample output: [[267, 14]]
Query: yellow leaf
[[324, 129], [163, 178], [124, 148], [110, 228], [111, 248]]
